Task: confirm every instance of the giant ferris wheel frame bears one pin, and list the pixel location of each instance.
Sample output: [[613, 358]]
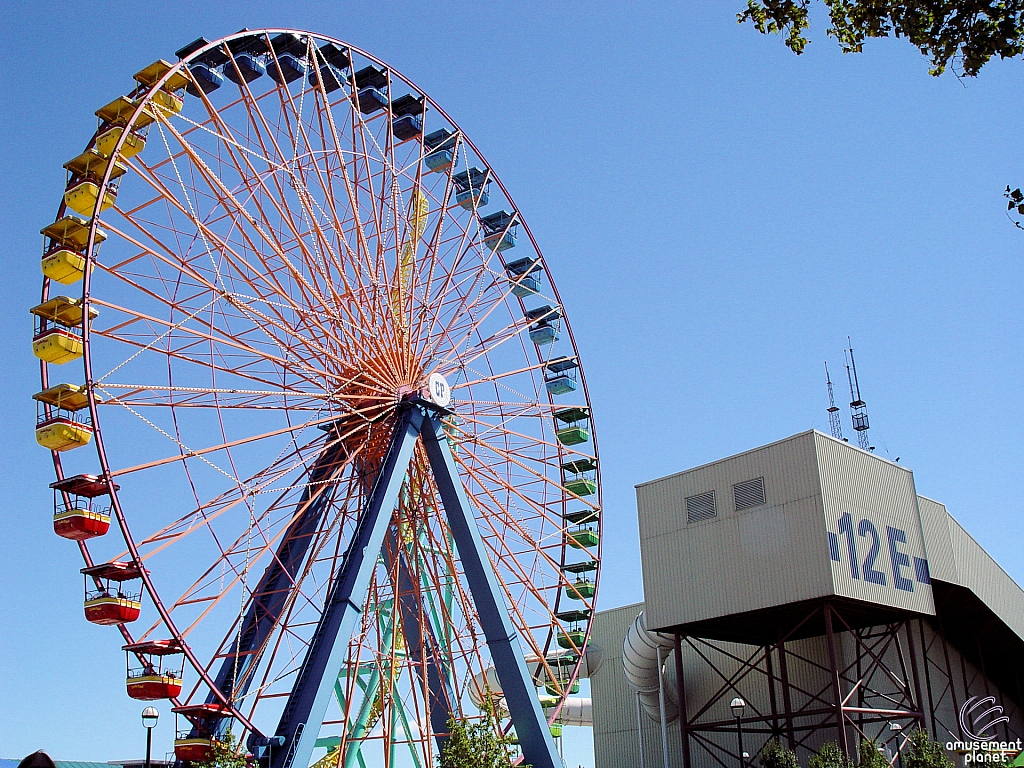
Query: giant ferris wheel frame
[[409, 417]]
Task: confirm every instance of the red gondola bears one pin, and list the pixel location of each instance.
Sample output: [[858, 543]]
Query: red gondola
[[195, 745], [150, 675], [106, 603], [76, 514]]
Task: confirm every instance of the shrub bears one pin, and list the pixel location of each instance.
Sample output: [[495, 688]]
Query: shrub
[[774, 755], [870, 757], [922, 751], [829, 756]]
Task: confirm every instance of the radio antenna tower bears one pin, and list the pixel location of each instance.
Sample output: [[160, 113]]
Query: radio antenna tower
[[834, 420], [858, 408]]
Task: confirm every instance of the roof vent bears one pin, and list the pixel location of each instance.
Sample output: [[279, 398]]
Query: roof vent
[[700, 507], [749, 494]]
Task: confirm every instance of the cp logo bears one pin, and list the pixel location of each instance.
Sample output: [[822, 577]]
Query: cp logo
[[972, 720]]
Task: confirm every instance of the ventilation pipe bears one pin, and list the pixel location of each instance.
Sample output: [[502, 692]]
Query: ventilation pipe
[[644, 660]]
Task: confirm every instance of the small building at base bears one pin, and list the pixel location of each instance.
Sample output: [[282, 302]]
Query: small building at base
[[810, 580]]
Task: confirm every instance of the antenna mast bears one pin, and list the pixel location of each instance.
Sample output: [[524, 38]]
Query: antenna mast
[[858, 408], [834, 419]]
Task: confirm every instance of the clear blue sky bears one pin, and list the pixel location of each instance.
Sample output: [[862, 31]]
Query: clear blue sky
[[718, 215]]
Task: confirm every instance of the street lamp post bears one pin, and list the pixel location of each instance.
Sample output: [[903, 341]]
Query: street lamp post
[[896, 730], [738, 705], [150, 715]]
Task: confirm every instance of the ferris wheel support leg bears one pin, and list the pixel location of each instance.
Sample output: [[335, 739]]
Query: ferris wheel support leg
[[417, 640], [502, 642], [314, 687], [272, 591]]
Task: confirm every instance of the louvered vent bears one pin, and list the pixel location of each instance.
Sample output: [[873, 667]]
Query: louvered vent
[[748, 494], [700, 507]]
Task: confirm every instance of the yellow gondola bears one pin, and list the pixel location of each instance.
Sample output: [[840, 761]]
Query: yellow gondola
[[58, 337], [64, 259], [120, 110], [87, 170], [168, 102], [58, 428], [107, 140], [81, 197], [148, 77]]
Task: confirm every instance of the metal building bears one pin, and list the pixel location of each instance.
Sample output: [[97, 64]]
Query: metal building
[[808, 578]]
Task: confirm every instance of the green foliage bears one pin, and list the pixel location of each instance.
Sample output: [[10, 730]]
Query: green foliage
[[475, 745], [966, 32], [922, 751], [829, 756], [870, 757], [774, 755], [225, 754], [1016, 205]]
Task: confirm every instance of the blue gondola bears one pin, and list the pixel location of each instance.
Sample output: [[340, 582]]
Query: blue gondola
[[335, 56], [545, 326], [440, 149], [206, 78], [560, 375], [372, 89], [213, 58], [500, 230], [332, 70], [523, 275], [290, 53], [407, 113], [471, 188], [245, 69], [332, 77], [287, 68]]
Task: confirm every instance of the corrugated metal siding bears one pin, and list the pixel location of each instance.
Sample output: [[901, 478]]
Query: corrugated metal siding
[[983, 576], [738, 561], [880, 496], [616, 744], [937, 542]]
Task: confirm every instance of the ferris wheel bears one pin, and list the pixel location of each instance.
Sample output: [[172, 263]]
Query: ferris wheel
[[333, 409]]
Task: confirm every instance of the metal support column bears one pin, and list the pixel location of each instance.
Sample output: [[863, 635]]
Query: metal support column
[[837, 689], [787, 701], [325, 658], [680, 686], [314, 686], [520, 692]]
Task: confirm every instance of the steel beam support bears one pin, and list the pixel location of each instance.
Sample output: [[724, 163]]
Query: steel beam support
[[410, 608], [518, 687], [314, 686], [272, 591], [837, 690], [684, 723], [325, 658]]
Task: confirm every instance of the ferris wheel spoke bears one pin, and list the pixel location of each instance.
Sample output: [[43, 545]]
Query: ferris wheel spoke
[[199, 452], [258, 121], [230, 203], [223, 341], [241, 267]]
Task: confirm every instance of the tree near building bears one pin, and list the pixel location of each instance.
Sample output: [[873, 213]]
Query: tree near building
[[829, 756], [474, 745], [922, 751], [870, 756], [774, 755], [964, 33]]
